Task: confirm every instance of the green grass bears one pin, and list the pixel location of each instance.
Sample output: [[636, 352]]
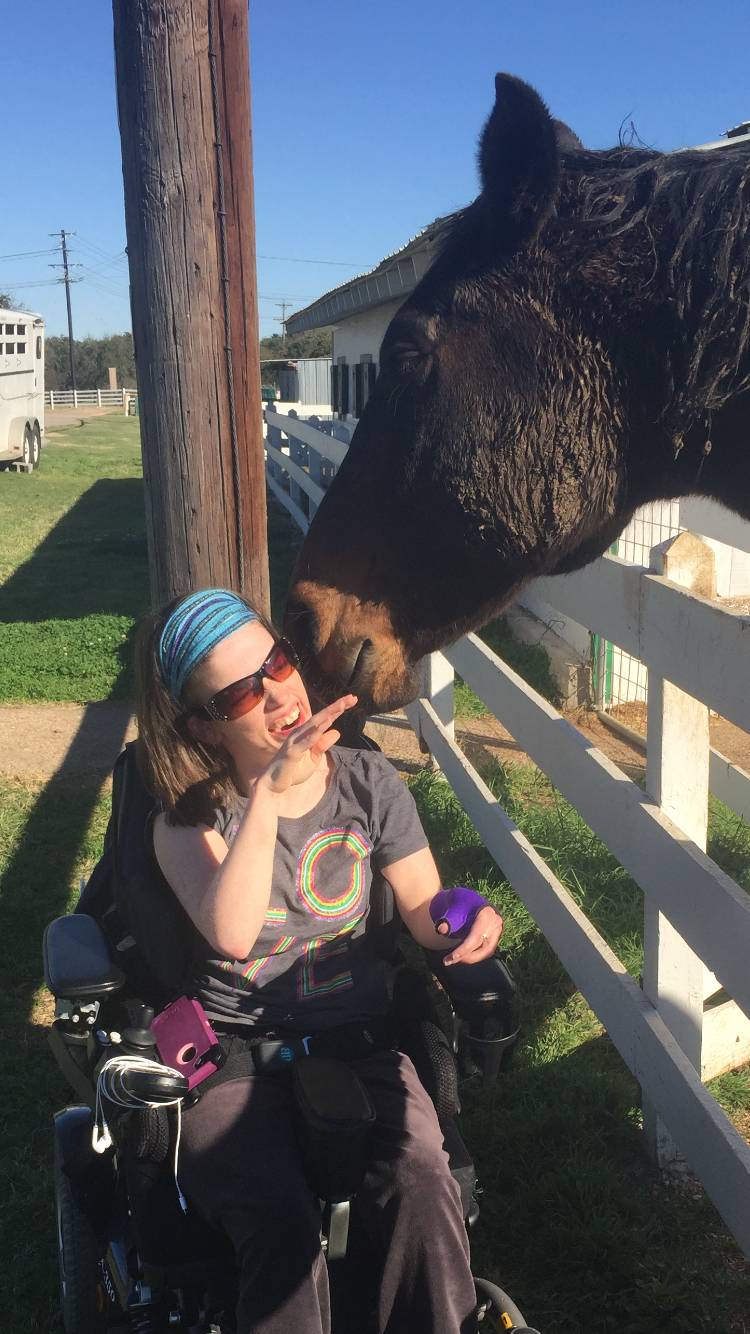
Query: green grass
[[574, 1221], [73, 566], [49, 837], [530, 661]]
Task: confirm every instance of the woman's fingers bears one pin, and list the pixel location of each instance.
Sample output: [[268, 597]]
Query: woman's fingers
[[481, 941], [305, 736], [325, 742], [313, 738]]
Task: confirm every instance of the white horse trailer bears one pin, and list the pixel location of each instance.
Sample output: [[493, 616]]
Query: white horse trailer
[[21, 389]]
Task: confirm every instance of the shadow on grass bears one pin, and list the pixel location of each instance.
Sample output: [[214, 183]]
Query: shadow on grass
[[93, 560], [67, 611], [577, 1224], [35, 887]]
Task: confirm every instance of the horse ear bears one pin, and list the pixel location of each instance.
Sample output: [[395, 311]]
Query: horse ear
[[519, 163]]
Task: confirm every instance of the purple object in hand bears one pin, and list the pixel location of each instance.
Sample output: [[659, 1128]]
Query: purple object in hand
[[457, 908]]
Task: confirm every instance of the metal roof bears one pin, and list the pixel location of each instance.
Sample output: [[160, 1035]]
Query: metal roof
[[394, 277]]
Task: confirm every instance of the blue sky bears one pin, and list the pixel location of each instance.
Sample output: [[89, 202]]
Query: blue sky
[[366, 118]]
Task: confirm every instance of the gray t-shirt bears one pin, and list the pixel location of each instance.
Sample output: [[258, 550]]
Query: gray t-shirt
[[311, 967]]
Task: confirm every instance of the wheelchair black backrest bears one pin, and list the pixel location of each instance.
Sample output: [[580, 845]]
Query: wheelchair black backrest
[[150, 935]]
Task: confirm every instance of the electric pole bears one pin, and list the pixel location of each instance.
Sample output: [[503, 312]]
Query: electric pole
[[281, 319], [67, 280], [189, 212]]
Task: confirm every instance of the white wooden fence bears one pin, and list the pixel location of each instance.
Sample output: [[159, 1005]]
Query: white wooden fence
[[91, 398], [697, 920]]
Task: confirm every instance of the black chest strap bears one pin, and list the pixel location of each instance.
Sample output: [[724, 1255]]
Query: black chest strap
[[271, 1054]]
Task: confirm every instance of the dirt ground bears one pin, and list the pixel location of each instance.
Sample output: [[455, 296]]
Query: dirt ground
[[56, 418], [38, 741], [725, 736]]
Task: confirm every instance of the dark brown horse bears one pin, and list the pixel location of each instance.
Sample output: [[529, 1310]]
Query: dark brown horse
[[580, 346]]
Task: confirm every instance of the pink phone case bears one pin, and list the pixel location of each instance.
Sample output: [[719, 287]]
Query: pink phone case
[[183, 1037]]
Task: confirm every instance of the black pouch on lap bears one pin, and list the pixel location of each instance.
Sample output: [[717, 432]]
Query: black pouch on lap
[[334, 1118]]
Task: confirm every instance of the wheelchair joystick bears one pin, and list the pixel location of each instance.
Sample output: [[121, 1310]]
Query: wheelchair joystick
[[138, 1037]]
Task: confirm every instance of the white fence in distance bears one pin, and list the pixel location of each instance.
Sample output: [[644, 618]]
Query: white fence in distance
[[88, 398], [697, 919]]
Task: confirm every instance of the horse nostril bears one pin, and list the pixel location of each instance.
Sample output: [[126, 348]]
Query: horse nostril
[[362, 659]]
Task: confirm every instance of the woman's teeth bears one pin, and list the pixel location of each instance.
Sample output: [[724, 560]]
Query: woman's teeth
[[288, 721]]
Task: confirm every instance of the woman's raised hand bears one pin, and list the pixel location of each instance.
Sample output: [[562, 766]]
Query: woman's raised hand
[[303, 747]]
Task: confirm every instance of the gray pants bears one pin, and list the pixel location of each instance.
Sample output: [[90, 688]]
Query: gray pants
[[240, 1166]]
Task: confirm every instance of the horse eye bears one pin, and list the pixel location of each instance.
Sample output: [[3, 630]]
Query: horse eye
[[406, 358]]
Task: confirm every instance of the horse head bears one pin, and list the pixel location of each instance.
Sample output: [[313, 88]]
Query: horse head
[[580, 345]]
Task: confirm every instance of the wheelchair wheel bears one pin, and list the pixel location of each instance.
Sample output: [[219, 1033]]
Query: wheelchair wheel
[[496, 1313], [83, 1301]]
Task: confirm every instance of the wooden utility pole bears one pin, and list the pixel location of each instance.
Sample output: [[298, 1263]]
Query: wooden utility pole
[[183, 92], [66, 278]]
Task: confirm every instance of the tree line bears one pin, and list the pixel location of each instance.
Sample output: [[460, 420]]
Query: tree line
[[315, 343], [94, 356]]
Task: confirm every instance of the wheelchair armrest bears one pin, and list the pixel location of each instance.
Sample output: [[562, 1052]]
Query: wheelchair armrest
[[485, 997], [77, 963], [477, 989], [334, 1118]]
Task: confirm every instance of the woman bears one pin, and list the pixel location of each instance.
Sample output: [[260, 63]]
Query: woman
[[268, 836]]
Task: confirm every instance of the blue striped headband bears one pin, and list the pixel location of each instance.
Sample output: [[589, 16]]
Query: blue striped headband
[[195, 627]]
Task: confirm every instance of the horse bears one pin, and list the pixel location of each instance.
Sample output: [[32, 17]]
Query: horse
[[580, 346]]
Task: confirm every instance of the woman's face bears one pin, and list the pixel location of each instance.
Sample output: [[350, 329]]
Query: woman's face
[[253, 739]]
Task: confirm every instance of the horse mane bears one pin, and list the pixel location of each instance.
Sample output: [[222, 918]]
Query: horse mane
[[662, 236], [675, 228]]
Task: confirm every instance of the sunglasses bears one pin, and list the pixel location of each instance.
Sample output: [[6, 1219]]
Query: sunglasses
[[241, 696]]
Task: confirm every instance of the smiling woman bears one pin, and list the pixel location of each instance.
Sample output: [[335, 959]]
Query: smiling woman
[[269, 835]]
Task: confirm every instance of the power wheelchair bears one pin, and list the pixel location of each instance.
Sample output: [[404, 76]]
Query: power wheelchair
[[132, 1256]]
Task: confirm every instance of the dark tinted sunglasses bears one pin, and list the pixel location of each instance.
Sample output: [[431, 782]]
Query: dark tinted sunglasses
[[241, 696]]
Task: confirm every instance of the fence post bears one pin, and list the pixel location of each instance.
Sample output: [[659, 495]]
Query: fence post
[[437, 686], [677, 760], [273, 437], [298, 455], [315, 473], [52, 398], [99, 398]]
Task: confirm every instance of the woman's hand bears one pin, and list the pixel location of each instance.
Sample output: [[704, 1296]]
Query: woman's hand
[[297, 756], [481, 940]]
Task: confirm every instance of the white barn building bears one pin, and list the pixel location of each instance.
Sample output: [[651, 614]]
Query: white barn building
[[359, 312]]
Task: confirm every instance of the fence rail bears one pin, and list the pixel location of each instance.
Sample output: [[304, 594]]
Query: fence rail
[[669, 628], [717, 1152], [96, 398], [697, 919]]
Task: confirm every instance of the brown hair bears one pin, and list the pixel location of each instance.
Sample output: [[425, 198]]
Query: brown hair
[[189, 778]]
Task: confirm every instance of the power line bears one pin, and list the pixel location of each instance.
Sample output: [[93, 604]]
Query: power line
[[96, 276], [35, 282], [286, 296], [110, 264], [28, 254], [97, 249], [295, 259]]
